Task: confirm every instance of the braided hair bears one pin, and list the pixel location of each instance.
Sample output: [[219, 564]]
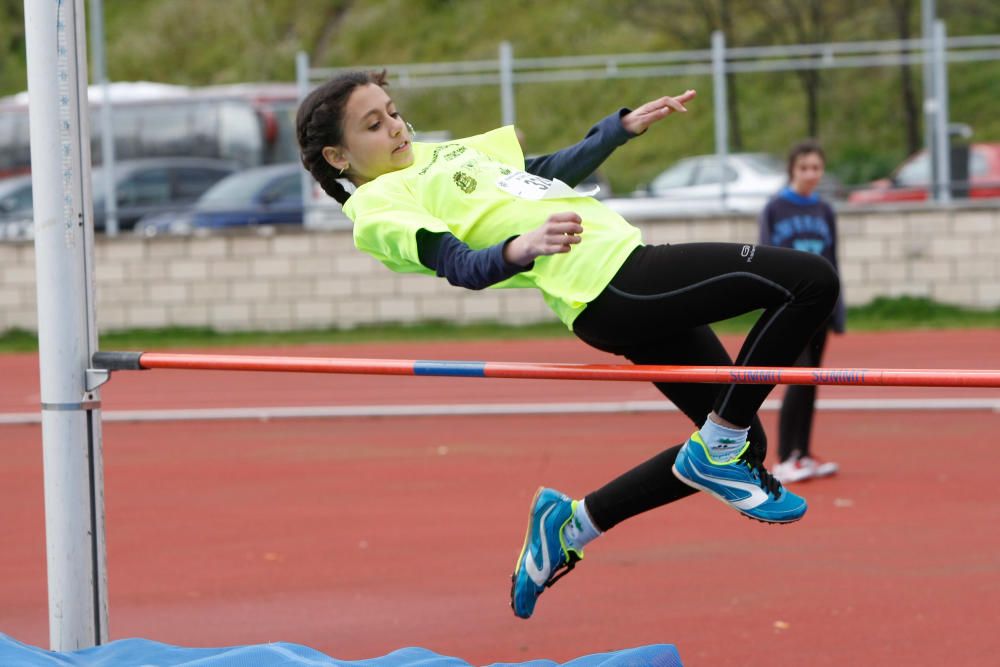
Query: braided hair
[[320, 123]]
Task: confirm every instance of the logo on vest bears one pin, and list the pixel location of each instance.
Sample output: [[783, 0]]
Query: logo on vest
[[465, 182]]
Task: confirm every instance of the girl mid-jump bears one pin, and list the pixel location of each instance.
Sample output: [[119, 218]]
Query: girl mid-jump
[[476, 212]]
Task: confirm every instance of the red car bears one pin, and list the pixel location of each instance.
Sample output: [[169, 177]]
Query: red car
[[910, 180]]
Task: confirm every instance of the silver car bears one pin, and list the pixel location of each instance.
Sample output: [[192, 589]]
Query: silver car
[[701, 184]]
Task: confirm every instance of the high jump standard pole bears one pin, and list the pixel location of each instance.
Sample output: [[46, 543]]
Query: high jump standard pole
[[55, 34]]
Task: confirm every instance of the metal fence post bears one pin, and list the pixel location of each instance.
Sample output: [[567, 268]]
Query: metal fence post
[[107, 127], [943, 176], [507, 115], [720, 108], [927, 16], [302, 83]]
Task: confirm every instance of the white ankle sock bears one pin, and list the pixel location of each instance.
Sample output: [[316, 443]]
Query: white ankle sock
[[724, 443], [580, 530]]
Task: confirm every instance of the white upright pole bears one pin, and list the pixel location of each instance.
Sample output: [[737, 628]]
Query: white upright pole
[[67, 336], [721, 104]]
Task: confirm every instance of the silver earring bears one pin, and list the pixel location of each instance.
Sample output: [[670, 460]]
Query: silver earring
[[345, 168]]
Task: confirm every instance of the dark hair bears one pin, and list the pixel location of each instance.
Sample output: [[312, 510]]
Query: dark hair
[[320, 123], [807, 147]]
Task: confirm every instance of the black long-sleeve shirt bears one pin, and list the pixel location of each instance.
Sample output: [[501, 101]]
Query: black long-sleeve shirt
[[453, 259]]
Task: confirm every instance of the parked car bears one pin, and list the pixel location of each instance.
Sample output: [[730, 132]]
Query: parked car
[[270, 195], [911, 180], [695, 184], [142, 187], [15, 208], [155, 185]]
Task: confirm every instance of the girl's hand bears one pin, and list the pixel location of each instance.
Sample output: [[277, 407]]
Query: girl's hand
[[640, 119], [557, 235]]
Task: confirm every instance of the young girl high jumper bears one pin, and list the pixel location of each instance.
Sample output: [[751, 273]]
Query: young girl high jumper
[[476, 212]]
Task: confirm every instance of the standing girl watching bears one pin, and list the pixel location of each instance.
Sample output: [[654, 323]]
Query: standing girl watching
[[475, 212], [797, 218]]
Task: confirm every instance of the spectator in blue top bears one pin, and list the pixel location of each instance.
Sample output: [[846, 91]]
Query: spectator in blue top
[[797, 218]]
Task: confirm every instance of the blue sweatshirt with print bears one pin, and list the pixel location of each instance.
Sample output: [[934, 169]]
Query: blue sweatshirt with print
[[790, 220]]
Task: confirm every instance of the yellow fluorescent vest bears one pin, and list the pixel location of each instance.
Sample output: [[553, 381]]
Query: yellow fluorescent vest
[[476, 188]]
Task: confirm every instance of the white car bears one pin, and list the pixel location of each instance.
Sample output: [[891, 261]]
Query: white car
[[701, 184]]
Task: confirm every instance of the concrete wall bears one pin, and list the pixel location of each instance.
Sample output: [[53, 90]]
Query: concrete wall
[[316, 279]]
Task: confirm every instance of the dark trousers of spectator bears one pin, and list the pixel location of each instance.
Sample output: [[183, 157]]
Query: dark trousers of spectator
[[799, 405]]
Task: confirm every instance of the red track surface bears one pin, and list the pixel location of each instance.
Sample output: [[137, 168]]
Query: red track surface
[[360, 536]]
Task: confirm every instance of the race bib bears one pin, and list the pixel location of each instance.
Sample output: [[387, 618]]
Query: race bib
[[528, 186]]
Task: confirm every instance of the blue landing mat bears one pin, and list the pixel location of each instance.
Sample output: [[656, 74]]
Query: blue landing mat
[[146, 653]]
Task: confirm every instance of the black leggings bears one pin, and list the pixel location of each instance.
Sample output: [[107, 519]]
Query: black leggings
[[657, 309], [799, 404]]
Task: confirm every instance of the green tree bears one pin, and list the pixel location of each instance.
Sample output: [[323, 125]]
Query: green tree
[[691, 23], [903, 12], [804, 22], [13, 74]]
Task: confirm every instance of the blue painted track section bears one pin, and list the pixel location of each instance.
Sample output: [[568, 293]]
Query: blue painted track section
[[467, 369], [134, 652]]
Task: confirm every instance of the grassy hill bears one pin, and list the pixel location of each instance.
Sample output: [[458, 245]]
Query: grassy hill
[[860, 120]]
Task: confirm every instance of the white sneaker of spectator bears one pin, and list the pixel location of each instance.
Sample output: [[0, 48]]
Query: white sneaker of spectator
[[793, 470], [820, 467], [801, 468]]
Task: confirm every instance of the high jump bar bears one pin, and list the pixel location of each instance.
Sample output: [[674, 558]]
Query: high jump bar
[[882, 377]]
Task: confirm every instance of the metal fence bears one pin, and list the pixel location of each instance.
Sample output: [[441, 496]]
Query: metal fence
[[933, 52]]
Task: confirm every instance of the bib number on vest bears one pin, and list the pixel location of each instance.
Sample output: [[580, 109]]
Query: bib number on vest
[[528, 186]]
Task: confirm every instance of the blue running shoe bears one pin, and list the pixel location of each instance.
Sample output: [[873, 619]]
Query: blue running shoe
[[544, 558], [748, 488]]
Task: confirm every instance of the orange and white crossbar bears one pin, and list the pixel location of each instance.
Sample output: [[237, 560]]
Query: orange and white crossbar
[[882, 377]]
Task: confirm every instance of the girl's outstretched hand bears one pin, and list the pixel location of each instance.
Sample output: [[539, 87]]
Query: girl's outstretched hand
[[557, 234], [638, 120]]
